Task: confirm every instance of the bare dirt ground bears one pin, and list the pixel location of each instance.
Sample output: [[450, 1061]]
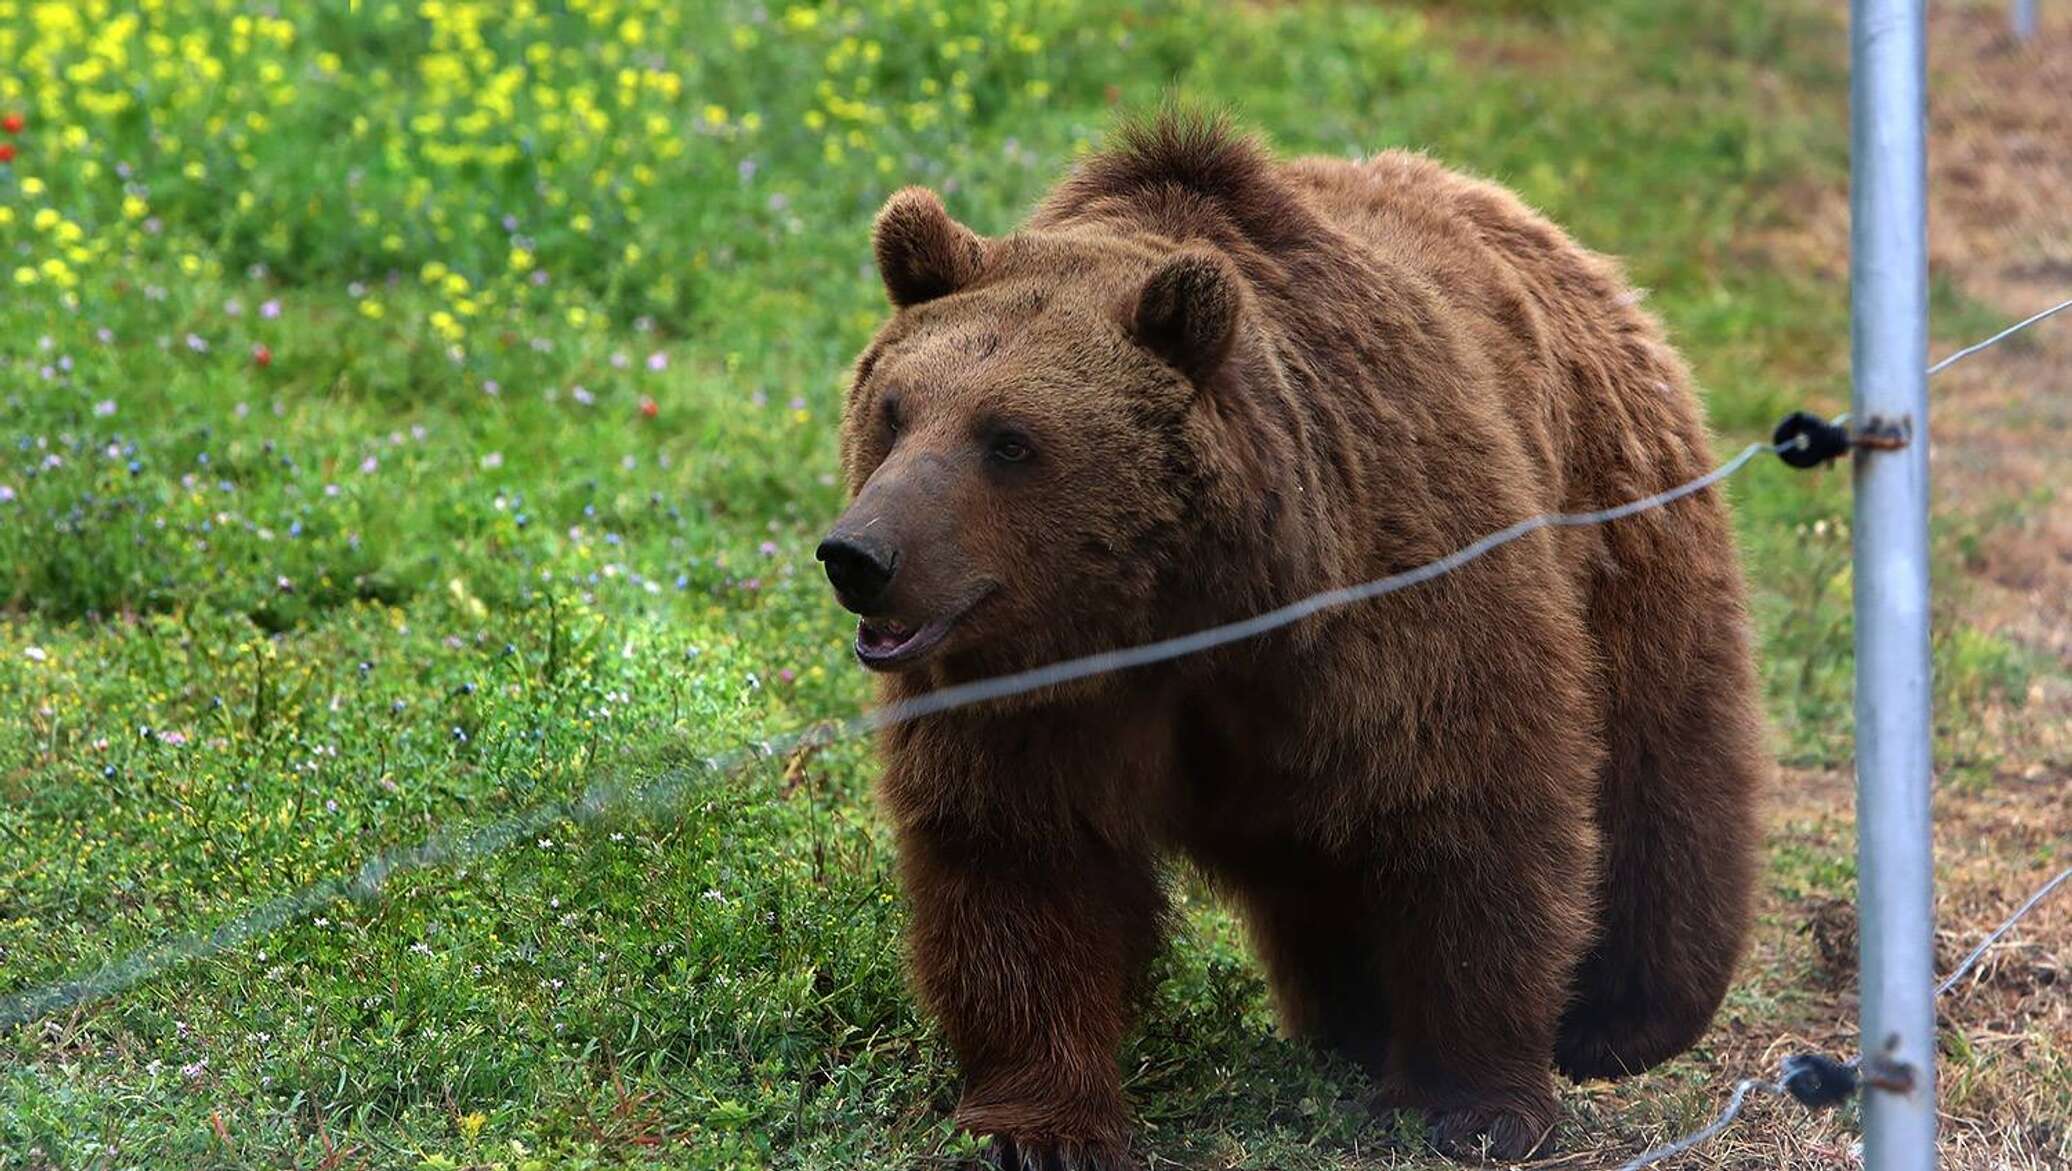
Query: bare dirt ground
[[2001, 236]]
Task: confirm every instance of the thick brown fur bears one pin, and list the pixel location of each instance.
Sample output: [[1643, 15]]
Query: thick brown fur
[[1498, 823]]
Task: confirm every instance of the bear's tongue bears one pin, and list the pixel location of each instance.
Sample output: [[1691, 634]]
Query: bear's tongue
[[881, 635]]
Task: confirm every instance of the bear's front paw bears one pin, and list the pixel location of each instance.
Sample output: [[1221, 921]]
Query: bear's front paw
[[1512, 1133], [1035, 1153]]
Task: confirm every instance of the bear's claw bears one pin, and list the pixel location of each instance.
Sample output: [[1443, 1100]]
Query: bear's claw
[[1512, 1134], [1040, 1154]]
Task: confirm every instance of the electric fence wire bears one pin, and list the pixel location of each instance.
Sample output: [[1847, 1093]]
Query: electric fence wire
[[448, 849]]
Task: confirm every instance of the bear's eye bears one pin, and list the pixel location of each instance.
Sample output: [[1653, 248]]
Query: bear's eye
[[891, 411], [1010, 448]]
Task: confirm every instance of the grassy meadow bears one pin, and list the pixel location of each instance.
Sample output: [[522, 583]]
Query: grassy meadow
[[414, 414]]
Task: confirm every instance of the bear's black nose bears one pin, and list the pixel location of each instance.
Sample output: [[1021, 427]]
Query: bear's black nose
[[860, 570]]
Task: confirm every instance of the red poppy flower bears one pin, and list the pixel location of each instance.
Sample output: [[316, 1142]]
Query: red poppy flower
[[13, 123], [6, 152], [649, 408], [261, 355]]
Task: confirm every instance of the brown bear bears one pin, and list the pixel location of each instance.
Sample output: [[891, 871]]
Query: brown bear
[[1499, 822]]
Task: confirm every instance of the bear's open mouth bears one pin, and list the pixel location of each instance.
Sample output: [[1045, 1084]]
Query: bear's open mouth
[[885, 643]]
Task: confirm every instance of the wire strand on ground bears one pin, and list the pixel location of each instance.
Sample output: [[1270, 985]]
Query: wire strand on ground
[[1978, 953], [1704, 1134]]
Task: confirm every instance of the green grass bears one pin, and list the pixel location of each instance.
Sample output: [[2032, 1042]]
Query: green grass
[[458, 550]]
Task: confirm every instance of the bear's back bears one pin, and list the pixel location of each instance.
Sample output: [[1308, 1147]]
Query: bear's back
[[1590, 383]]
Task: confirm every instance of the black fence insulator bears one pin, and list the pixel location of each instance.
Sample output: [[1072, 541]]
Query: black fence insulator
[[1806, 440], [1818, 1080]]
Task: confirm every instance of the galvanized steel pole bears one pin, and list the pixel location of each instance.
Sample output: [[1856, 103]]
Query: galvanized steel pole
[[1889, 350]]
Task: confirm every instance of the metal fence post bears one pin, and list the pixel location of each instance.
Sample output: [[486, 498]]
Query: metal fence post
[[1889, 351], [2022, 15]]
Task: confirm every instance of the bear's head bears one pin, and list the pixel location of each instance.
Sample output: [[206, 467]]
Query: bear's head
[[1017, 439]]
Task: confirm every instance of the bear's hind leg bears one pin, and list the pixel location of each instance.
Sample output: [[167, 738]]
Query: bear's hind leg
[[1679, 825], [1491, 924], [1314, 932], [1685, 767]]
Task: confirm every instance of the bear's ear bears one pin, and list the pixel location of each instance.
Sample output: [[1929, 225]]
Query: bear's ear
[[1187, 312], [923, 253]]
